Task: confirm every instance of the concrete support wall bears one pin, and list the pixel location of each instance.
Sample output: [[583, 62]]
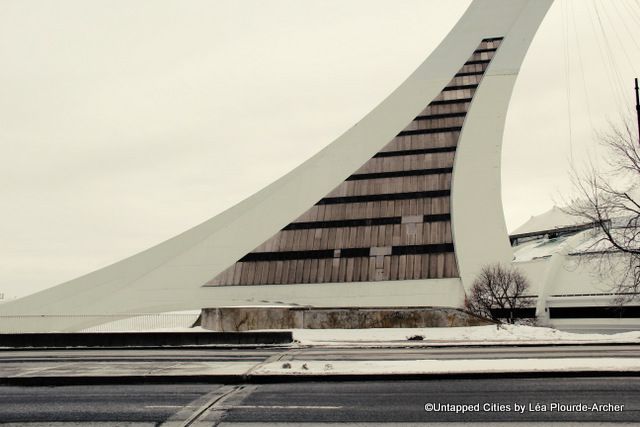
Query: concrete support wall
[[253, 318]]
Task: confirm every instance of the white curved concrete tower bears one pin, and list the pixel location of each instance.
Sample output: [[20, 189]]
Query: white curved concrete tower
[[401, 210]]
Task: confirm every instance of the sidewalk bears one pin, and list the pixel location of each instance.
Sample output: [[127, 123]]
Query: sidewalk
[[282, 369], [325, 370], [284, 366]]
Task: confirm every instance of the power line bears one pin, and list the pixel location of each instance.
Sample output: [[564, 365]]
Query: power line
[[609, 50], [567, 73], [582, 71], [630, 34], [610, 74], [634, 13], [617, 34]]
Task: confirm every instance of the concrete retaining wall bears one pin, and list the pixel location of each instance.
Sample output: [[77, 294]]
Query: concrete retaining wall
[[252, 318]]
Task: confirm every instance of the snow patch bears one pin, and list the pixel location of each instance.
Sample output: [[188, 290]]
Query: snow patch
[[429, 366], [469, 335]]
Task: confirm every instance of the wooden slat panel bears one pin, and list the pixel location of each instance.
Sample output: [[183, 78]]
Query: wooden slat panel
[[410, 266], [440, 265], [349, 272], [264, 274], [408, 162], [306, 271], [278, 276], [322, 268], [424, 260], [364, 269], [387, 267], [335, 269], [251, 271], [371, 273], [402, 267], [315, 265], [299, 271], [356, 269], [271, 271], [328, 270], [342, 271], [292, 271]]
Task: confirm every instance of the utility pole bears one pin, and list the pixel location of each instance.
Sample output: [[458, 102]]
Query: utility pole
[[638, 108]]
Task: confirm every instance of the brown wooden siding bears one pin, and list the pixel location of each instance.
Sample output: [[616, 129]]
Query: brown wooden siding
[[351, 235]]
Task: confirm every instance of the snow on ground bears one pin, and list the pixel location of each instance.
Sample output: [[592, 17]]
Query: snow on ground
[[399, 337], [429, 366], [472, 335], [537, 249]]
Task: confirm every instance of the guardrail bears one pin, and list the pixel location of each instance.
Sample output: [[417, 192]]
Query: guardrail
[[141, 339]]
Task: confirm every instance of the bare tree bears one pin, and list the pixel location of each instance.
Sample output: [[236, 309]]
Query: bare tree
[[609, 200], [498, 293]]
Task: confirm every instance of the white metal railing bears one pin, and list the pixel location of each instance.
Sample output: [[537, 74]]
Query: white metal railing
[[134, 322]]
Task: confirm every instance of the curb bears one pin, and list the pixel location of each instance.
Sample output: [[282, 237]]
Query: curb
[[294, 345], [469, 345], [293, 378], [202, 347]]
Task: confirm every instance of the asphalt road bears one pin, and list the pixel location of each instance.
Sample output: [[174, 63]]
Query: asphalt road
[[311, 353], [318, 402], [94, 404]]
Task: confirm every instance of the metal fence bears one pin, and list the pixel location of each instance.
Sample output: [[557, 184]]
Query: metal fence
[[101, 322]]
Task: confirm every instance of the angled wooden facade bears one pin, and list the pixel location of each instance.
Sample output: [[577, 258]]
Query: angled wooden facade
[[390, 220]]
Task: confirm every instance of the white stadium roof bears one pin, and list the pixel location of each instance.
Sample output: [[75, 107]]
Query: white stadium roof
[[554, 218]]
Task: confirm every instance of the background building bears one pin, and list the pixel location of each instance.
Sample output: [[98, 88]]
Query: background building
[[403, 209], [556, 252]]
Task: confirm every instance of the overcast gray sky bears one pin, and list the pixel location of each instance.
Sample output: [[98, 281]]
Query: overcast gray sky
[[124, 123]]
